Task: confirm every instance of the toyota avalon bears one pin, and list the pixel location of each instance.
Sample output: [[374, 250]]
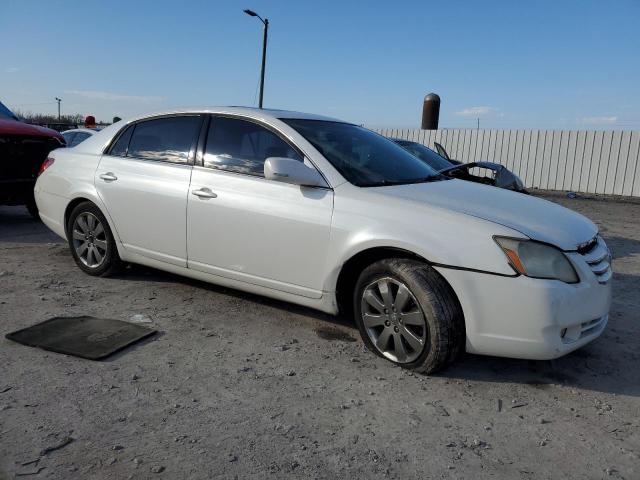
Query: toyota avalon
[[330, 215]]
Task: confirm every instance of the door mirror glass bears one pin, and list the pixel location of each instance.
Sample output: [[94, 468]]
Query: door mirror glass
[[287, 170]]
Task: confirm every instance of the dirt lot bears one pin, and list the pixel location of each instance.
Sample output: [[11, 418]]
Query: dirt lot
[[238, 386]]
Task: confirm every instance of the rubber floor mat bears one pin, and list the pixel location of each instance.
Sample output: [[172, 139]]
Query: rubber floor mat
[[85, 337]]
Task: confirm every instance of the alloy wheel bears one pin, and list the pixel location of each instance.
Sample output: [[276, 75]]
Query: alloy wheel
[[89, 240], [393, 320]]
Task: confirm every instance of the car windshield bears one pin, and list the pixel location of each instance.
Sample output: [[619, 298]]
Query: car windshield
[[425, 154], [363, 157]]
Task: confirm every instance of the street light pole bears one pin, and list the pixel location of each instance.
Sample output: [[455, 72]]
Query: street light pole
[[264, 58], [265, 22], [58, 100]]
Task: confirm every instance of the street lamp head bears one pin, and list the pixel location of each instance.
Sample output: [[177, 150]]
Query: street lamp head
[[251, 13]]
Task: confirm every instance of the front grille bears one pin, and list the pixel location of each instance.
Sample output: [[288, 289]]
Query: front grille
[[598, 257]]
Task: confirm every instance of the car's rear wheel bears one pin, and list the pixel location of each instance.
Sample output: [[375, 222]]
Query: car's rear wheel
[[408, 314], [91, 242]]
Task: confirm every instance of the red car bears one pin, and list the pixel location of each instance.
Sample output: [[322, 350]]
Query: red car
[[23, 149]]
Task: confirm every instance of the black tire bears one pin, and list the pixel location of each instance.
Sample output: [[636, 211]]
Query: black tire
[[445, 336], [32, 208], [111, 263]]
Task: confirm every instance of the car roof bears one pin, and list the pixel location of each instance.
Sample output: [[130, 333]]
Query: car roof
[[86, 130], [102, 138], [252, 112]]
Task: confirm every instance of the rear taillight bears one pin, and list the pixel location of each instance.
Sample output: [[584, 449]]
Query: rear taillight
[[46, 164]]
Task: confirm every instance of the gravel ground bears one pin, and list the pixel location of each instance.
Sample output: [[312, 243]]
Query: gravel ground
[[238, 386]]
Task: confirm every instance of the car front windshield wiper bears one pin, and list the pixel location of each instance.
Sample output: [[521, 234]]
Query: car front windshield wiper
[[387, 183]]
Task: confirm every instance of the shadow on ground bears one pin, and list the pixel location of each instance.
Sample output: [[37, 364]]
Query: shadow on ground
[[623, 247], [588, 368], [17, 226]]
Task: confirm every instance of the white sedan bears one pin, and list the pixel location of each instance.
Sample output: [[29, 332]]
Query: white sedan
[[330, 215], [77, 135]]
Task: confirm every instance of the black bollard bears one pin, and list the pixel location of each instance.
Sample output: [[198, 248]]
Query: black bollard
[[430, 112]]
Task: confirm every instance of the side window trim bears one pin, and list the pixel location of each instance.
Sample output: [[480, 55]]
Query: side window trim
[[274, 131], [115, 139], [202, 141], [133, 130], [192, 148], [133, 125], [266, 126]]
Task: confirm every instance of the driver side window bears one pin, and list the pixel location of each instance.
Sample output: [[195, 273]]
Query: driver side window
[[241, 146]]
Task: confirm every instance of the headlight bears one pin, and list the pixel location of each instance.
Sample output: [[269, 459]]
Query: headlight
[[537, 260]]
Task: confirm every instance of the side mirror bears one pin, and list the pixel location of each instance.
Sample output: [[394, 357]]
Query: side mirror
[[288, 170], [509, 180], [441, 151]]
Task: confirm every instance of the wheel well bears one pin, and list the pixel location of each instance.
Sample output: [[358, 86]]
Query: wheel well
[[355, 265], [69, 209], [352, 268]]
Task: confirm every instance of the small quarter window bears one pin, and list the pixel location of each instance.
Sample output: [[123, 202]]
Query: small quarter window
[[119, 148], [166, 139], [240, 146]]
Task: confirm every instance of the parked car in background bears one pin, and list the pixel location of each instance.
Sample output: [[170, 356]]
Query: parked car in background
[[77, 135], [7, 114], [498, 175], [23, 149], [333, 216]]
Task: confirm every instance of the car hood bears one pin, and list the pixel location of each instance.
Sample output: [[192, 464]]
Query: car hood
[[13, 127], [536, 218]]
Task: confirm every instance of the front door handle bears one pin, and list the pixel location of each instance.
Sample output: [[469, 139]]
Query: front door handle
[[204, 193], [108, 177]]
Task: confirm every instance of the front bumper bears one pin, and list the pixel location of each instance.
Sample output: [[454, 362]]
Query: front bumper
[[522, 317]]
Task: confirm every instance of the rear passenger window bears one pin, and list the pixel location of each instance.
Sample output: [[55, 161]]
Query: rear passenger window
[[241, 146], [165, 139], [79, 138], [68, 138], [119, 148]]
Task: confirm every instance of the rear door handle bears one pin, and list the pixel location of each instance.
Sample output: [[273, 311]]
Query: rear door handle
[[204, 193], [108, 177]]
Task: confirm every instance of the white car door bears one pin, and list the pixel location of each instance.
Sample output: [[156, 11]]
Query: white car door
[[244, 227], [143, 181]]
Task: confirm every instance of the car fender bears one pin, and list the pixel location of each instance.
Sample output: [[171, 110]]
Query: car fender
[[92, 195], [467, 244]]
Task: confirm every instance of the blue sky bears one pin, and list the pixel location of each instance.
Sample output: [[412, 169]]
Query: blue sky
[[513, 64]]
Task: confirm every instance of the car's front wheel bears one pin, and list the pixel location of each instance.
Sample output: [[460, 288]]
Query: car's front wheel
[[91, 242], [408, 314]]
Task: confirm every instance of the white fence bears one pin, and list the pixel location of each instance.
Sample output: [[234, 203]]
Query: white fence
[[605, 162]]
